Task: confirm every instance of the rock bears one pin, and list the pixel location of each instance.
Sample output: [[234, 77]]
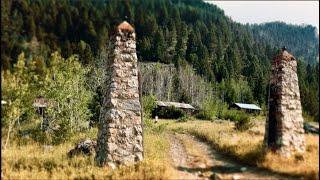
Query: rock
[[202, 165], [86, 147], [139, 156], [138, 148], [111, 165]]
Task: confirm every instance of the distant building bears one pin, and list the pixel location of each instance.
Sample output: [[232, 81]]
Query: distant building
[[40, 103], [188, 108], [250, 108]]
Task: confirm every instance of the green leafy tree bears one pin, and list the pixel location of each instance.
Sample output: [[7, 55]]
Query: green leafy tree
[[65, 88]]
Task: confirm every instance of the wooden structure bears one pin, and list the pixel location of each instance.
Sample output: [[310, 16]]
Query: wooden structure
[[249, 108], [188, 108], [40, 103]]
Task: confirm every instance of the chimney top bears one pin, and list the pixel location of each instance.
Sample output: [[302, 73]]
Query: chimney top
[[284, 55], [125, 26]]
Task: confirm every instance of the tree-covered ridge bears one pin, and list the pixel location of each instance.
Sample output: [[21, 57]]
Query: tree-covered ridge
[[168, 31], [303, 41]]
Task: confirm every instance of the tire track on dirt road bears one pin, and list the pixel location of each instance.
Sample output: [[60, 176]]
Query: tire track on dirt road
[[195, 159]]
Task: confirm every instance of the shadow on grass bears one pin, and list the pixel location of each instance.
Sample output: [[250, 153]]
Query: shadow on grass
[[216, 169], [228, 170]]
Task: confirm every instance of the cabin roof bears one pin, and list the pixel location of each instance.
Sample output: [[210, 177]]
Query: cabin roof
[[247, 106], [175, 104]]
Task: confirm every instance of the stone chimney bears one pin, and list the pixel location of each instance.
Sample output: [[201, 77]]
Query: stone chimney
[[284, 124], [120, 132]]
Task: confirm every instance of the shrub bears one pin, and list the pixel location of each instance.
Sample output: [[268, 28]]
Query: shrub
[[63, 84], [209, 109], [148, 105], [170, 113], [222, 110], [243, 123], [183, 119], [241, 119]]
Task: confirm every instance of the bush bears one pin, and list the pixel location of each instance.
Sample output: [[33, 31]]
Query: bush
[[170, 113], [231, 115], [222, 110], [241, 119], [62, 83], [183, 119], [243, 123], [148, 105], [205, 115], [209, 109]]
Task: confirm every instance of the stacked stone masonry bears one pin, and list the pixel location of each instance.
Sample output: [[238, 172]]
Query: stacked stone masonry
[[120, 132], [284, 127]]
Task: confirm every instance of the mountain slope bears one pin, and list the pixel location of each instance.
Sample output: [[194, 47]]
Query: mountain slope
[[181, 32], [302, 41]]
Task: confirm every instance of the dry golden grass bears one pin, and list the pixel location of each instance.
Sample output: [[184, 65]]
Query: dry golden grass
[[247, 146], [300, 164], [33, 161]]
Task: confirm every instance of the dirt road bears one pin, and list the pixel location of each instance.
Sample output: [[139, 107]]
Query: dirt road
[[195, 159]]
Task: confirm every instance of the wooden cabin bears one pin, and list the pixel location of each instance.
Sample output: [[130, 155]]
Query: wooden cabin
[[249, 108], [187, 108]]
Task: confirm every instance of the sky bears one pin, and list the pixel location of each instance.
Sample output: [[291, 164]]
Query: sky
[[292, 12]]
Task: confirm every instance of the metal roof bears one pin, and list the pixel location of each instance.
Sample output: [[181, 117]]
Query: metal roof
[[175, 104], [3, 102], [248, 106]]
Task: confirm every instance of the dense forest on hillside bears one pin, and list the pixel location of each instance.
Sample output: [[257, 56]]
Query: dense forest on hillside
[[303, 41], [225, 53]]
